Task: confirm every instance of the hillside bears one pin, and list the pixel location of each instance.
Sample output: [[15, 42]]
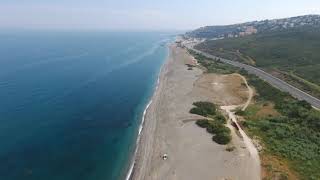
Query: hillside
[[255, 27], [292, 54]]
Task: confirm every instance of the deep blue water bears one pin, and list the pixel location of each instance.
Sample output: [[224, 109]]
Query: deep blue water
[[71, 102]]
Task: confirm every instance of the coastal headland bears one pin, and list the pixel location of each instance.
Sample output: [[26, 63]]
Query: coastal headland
[[170, 130]]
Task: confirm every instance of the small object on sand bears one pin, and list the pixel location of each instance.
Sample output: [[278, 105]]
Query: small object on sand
[[165, 156]]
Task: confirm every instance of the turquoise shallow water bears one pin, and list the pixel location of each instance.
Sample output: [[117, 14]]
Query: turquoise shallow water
[[71, 102]]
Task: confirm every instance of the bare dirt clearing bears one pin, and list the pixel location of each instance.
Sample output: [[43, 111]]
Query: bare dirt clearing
[[222, 89]]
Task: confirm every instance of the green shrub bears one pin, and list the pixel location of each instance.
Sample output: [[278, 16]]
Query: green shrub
[[216, 128], [202, 123], [305, 104], [243, 72], [220, 118], [209, 107], [203, 108], [198, 111], [222, 138]]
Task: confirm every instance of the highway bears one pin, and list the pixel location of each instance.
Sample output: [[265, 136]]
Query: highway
[[274, 81]]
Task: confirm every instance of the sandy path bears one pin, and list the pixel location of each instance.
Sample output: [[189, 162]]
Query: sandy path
[[249, 145], [170, 129], [250, 93]]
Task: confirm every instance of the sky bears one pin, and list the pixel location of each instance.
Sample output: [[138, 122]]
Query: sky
[[144, 14]]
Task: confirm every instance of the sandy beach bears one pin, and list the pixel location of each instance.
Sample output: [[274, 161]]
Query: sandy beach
[[169, 128]]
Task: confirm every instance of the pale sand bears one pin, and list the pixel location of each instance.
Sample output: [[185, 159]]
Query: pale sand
[[192, 155]]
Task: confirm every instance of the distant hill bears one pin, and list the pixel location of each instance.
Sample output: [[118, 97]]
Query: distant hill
[[255, 27]]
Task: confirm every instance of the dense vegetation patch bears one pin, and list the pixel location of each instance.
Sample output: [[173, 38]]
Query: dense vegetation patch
[[294, 135], [222, 138], [221, 134], [215, 124], [203, 123], [203, 108]]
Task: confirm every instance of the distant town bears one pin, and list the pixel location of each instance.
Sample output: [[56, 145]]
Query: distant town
[[249, 28]]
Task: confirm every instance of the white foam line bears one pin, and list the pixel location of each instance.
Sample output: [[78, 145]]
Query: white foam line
[[130, 171], [138, 140], [143, 117]]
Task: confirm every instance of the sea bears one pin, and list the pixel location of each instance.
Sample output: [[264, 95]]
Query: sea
[[71, 103]]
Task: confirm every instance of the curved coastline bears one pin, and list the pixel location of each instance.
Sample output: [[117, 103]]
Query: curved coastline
[[140, 131]]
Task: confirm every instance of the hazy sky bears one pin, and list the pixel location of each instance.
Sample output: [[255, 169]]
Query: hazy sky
[[144, 14]]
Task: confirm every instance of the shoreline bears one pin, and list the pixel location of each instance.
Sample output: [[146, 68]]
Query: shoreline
[[134, 158], [133, 161], [189, 149]]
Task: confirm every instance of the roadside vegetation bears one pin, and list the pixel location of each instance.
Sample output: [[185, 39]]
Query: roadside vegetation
[[291, 55], [289, 131], [212, 65], [215, 122]]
